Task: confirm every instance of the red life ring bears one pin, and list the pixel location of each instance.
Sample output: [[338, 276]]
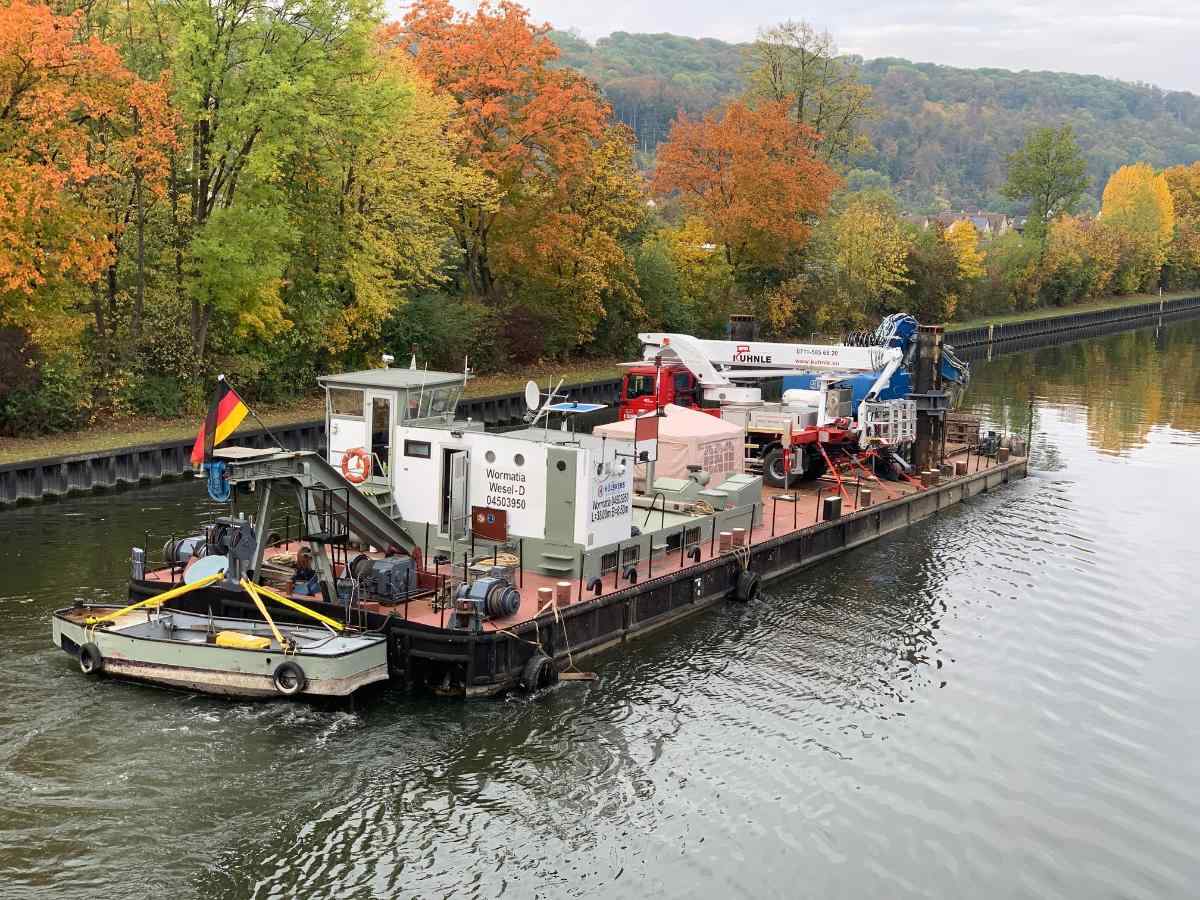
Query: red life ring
[[356, 465]]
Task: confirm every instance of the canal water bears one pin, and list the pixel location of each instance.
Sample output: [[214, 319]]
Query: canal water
[[999, 702]]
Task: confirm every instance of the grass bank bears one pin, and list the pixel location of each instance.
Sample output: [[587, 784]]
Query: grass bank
[[141, 431], [1050, 312]]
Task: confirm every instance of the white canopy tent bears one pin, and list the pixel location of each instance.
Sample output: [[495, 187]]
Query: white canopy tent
[[687, 437]]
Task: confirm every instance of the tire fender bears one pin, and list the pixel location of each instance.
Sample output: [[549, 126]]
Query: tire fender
[[748, 584], [540, 672], [289, 679], [91, 662]]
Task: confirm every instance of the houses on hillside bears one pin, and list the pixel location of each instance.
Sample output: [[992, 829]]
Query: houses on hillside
[[986, 223]]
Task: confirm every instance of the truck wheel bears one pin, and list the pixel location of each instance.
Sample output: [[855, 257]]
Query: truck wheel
[[774, 473], [814, 465]]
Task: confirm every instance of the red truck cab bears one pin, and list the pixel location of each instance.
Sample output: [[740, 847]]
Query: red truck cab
[[675, 385]]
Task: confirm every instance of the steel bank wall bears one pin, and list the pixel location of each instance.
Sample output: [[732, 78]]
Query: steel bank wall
[[62, 475]]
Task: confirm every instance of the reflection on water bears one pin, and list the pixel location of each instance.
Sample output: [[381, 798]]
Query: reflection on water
[[998, 702], [1120, 387]]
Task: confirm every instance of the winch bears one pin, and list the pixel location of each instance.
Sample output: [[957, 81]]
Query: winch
[[491, 596]]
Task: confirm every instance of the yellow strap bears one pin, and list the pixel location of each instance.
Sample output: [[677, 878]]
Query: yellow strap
[[156, 600], [248, 587], [301, 608]]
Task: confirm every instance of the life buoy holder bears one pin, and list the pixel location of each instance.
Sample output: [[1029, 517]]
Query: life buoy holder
[[356, 465]]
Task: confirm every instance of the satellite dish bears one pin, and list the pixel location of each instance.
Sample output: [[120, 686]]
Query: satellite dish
[[533, 395], [202, 568]]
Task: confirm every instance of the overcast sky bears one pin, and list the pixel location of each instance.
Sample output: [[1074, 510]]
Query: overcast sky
[[1136, 41]]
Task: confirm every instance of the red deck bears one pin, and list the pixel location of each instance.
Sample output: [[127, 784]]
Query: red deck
[[781, 517]]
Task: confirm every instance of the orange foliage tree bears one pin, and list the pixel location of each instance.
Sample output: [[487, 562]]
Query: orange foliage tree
[[74, 122], [751, 175], [530, 127]]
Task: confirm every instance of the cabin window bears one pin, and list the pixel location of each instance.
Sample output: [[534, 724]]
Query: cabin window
[[608, 562], [519, 459], [438, 401], [683, 389], [640, 386], [631, 555], [346, 402], [443, 401], [418, 449]]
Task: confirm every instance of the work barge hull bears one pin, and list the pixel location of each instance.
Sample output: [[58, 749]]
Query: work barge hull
[[423, 652]]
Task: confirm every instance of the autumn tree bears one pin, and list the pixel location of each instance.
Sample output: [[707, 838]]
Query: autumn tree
[[1080, 261], [705, 278], [376, 203], [870, 249], [963, 236], [261, 90], [528, 126], [75, 126], [793, 63], [751, 175], [1050, 173], [1184, 255], [1137, 203], [935, 285]]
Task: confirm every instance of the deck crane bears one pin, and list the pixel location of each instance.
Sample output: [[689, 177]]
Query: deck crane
[[797, 435]]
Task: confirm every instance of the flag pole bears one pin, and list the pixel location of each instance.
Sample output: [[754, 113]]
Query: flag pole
[[253, 414]]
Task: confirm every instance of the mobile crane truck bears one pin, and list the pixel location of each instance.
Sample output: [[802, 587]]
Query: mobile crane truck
[[845, 400]]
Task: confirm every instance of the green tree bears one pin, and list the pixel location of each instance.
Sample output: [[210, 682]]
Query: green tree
[[794, 63], [935, 277], [1050, 173]]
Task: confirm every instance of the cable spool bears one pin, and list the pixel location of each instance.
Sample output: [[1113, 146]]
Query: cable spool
[[178, 551], [500, 599]]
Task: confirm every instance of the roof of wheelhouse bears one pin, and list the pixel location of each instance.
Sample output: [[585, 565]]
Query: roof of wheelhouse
[[390, 379]]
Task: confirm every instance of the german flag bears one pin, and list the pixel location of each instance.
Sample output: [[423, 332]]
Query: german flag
[[224, 415]]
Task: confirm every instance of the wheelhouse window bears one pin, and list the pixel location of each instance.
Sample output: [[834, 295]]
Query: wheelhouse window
[[346, 402]]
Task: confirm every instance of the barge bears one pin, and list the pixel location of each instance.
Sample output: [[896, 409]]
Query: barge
[[496, 561]]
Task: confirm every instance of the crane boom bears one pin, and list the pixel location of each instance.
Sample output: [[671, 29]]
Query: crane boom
[[757, 359]]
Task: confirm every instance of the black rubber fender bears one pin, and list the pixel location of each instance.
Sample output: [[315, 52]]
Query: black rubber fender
[[539, 672], [91, 661], [289, 679], [748, 584]]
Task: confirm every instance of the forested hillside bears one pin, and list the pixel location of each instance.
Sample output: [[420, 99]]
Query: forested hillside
[[938, 134]]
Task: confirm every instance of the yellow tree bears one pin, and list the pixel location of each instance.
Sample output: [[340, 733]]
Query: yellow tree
[[1080, 260], [1184, 183], [705, 277], [869, 250], [963, 236], [1138, 203], [399, 186]]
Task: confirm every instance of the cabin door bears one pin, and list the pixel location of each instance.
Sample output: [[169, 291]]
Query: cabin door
[[348, 426], [456, 505], [380, 428]]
